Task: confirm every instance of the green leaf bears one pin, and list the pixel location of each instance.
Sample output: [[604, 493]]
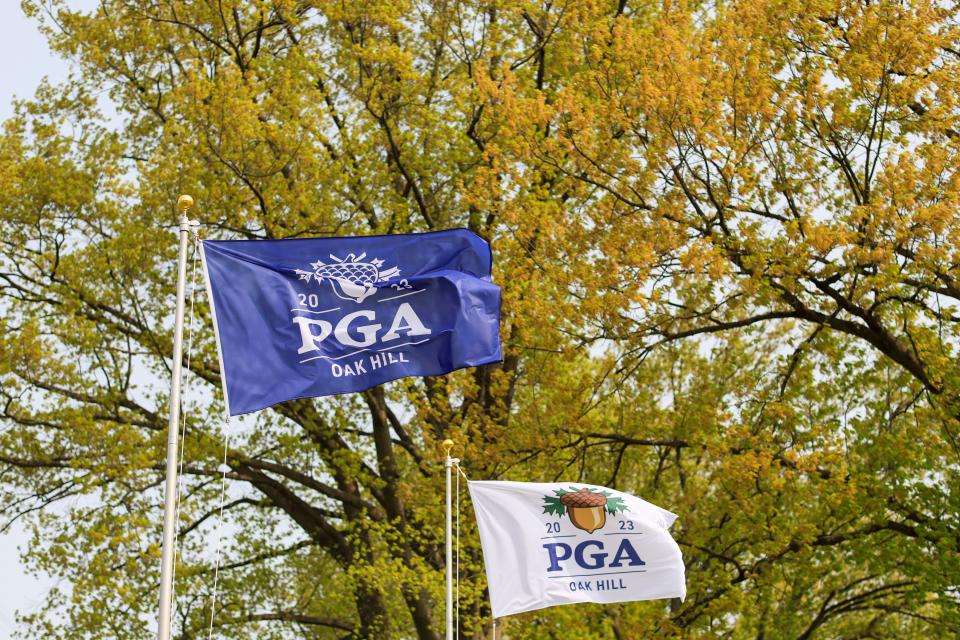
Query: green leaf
[[553, 506], [616, 504]]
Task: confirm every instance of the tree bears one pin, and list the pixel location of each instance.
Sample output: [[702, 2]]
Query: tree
[[724, 233]]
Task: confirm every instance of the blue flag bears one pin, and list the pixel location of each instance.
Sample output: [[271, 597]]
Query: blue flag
[[320, 316]]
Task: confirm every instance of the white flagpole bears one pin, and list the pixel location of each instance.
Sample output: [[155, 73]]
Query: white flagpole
[[170, 490], [447, 446]]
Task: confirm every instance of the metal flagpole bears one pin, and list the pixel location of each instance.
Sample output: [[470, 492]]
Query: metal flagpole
[[170, 498], [447, 446]]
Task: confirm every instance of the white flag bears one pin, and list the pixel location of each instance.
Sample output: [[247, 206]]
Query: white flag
[[546, 544]]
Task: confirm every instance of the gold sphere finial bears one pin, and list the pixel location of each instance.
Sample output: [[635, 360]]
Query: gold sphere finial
[[184, 203], [447, 446]]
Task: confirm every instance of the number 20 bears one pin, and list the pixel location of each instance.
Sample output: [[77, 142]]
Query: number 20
[[309, 300]]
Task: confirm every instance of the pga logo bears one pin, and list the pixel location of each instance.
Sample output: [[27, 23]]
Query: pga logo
[[351, 331], [355, 279], [625, 556], [587, 510]]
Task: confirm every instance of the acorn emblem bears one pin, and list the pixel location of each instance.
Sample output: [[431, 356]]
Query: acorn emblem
[[352, 278], [588, 509]]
